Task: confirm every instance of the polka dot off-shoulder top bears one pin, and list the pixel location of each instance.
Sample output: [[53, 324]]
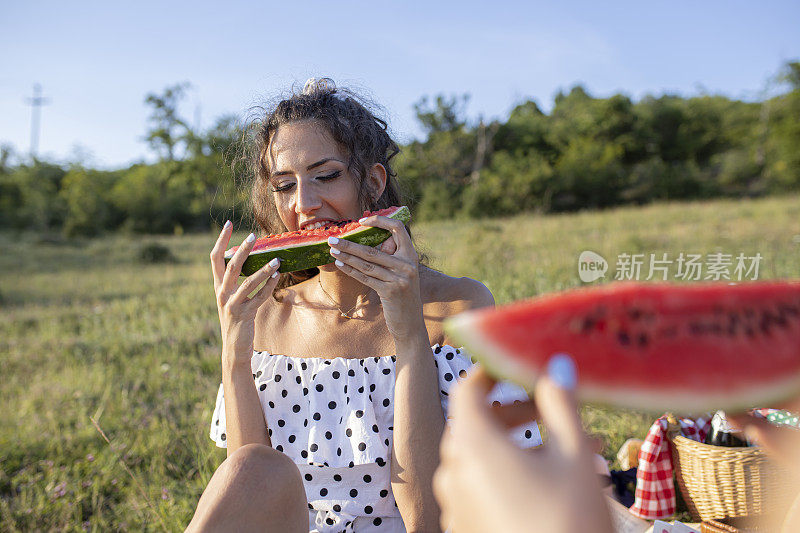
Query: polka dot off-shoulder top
[[334, 418]]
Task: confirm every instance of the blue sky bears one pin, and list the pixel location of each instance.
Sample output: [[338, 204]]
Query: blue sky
[[97, 61]]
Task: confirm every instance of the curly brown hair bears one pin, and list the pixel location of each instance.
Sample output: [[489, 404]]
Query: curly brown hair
[[363, 137]]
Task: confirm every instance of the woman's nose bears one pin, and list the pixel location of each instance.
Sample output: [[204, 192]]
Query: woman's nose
[[306, 199]]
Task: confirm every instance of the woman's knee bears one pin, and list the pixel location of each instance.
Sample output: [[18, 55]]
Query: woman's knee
[[257, 488], [260, 467]]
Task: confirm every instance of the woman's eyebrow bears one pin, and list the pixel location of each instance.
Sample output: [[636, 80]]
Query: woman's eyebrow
[[309, 167]]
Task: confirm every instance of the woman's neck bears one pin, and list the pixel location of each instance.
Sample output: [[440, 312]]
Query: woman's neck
[[345, 292]]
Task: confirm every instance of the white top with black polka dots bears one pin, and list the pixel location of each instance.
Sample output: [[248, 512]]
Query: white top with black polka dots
[[334, 418]]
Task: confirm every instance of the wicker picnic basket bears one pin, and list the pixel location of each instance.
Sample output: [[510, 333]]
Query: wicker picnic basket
[[719, 482]]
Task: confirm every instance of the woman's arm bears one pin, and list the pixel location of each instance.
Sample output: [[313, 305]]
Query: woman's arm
[[418, 417], [418, 428], [244, 420]]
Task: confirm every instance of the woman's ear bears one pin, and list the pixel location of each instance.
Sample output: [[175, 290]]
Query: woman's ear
[[377, 180]]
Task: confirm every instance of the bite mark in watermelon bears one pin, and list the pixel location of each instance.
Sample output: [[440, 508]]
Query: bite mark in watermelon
[[302, 249], [655, 346]]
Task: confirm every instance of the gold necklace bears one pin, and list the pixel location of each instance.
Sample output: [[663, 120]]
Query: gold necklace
[[343, 314]]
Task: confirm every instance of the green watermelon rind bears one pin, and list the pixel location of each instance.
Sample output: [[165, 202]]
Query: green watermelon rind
[[314, 254], [464, 328]]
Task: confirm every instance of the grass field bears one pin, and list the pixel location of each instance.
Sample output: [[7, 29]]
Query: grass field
[[88, 331]]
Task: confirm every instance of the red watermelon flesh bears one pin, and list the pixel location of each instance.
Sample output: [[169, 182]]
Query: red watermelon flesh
[[680, 347], [299, 237], [303, 249]]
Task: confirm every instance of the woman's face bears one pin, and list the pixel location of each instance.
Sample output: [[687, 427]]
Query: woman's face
[[309, 178]]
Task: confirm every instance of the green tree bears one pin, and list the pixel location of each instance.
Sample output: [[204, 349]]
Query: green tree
[[435, 171], [510, 185], [150, 201], [791, 75], [90, 211], [590, 173], [167, 128], [33, 194], [782, 142], [446, 114], [525, 133], [10, 193]]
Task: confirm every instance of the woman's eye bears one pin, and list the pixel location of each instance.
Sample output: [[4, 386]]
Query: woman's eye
[[281, 188], [332, 175], [326, 177]]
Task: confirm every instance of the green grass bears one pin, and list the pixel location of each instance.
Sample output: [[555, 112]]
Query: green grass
[[89, 331]]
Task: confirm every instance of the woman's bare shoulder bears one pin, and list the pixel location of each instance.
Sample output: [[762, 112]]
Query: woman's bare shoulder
[[444, 296], [453, 295]]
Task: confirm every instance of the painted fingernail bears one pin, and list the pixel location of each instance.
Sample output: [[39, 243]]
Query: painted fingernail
[[561, 370], [334, 251], [275, 262], [333, 240], [274, 274], [338, 263], [251, 237], [362, 220], [227, 224]]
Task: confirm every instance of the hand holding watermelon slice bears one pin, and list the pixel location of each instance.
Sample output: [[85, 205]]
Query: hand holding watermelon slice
[[486, 483], [236, 308], [686, 348], [394, 277]]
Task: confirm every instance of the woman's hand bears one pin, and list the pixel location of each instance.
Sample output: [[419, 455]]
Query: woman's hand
[[392, 270], [486, 483], [237, 311], [783, 445]]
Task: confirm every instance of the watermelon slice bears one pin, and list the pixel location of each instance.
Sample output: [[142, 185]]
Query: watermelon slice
[[686, 348], [302, 249]]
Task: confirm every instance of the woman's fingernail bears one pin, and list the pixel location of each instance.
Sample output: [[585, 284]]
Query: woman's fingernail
[[334, 251], [227, 224], [333, 240], [362, 220], [274, 274], [338, 263], [251, 237], [275, 262], [561, 370]]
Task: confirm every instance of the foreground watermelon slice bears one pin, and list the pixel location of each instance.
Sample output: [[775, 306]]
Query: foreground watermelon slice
[[302, 249], [684, 348]]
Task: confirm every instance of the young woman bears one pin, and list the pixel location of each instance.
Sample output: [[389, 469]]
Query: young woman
[[334, 381]]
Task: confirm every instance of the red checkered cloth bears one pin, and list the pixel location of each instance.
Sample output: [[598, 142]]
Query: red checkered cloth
[[655, 488]]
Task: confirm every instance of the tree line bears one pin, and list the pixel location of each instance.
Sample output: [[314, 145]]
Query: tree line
[[586, 153]]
